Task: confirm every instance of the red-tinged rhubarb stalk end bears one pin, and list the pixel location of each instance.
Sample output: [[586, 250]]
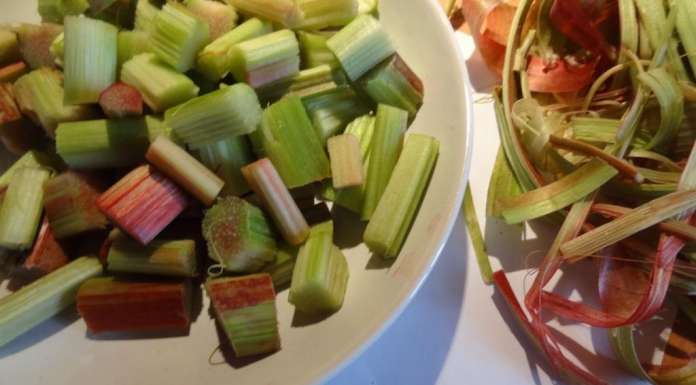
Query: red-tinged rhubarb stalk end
[[121, 101], [245, 308], [110, 305], [143, 203]]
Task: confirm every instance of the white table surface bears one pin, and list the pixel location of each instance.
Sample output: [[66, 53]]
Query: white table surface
[[453, 332]]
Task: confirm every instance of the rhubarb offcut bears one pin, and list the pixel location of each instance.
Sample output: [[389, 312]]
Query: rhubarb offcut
[[70, 204], [143, 203], [111, 305], [245, 308], [239, 235]]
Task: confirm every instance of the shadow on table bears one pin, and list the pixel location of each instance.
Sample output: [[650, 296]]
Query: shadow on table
[[535, 360], [515, 250], [414, 349], [41, 332]]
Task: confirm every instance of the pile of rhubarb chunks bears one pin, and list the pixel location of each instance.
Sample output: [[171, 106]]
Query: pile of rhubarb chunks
[[165, 147]]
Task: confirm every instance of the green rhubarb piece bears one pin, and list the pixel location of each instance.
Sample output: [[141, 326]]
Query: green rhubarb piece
[[31, 159], [266, 59], [283, 12], [54, 11], [96, 144], [245, 308], [215, 60], [368, 6], [145, 13], [177, 36], [57, 49], [90, 59], [305, 84], [160, 257], [130, 44], [393, 217], [320, 14], [361, 45], [287, 137], [31, 305], [320, 277], [390, 126], [281, 269], [70, 204], [239, 235], [226, 158], [229, 111], [315, 52], [40, 97], [20, 213], [353, 198], [156, 127], [9, 47], [395, 84], [331, 111], [160, 85]]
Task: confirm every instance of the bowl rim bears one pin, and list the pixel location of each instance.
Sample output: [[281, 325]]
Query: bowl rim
[[463, 177]]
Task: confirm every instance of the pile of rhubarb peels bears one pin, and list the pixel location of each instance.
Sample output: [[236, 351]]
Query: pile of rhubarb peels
[[595, 120]]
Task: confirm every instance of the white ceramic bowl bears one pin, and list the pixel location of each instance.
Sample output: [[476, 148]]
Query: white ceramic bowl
[[60, 352]]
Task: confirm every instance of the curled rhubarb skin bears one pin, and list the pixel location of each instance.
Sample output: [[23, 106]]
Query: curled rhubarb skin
[[559, 76], [490, 22], [110, 305]]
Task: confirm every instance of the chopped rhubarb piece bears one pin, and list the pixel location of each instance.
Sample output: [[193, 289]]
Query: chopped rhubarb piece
[[239, 235], [70, 204], [143, 203], [9, 47], [110, 305], [44, 298], [267, 184], [35, 43], [121, 101], [12, 72], [245, 308], [47, 255]]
